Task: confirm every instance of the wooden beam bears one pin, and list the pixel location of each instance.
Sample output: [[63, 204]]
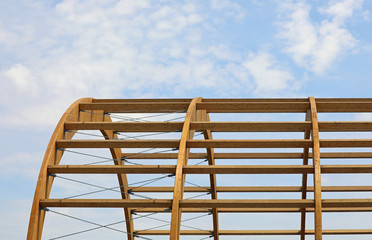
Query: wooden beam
[[351, 143], [243, 203], [325, 126], [156, 143], [346, 168], [251, 126], [253, 107], [352, 107], [257, 210], [117, 143], [282, 143], [231, 189], [337, 100], [110, 169], [344, 155], [182, 159], [247, 169], [105, 203], [256, 232], [143, 107], [317, 170], [206, 169], [133, 155], [142, 100], [233, 155], [278, 107], [44, 182], [126, 126], [345, 126], [255, 100]]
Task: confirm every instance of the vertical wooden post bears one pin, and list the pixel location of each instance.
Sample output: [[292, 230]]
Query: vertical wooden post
[[182, 158], [304, 177], [317, 172]]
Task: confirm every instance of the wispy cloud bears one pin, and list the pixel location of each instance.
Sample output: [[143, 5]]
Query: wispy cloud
[[270, 77], [110, 49], [316, 45]]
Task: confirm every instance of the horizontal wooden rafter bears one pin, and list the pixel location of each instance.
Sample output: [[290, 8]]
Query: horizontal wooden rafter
[[253, 107], [207, 169], [257, 210], [344, 106], [258, 232], [173, 143], [233, 155], [205, 203], [329, 126], [143, 107], [142, 100], [251, 126], [230, 189], [126, 126], [344, 126], [348, 143], [117, 143], [282, 143], [106, 203], [283, 107]]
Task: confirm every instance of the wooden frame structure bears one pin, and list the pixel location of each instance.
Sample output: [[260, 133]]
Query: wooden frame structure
[[94, 114]]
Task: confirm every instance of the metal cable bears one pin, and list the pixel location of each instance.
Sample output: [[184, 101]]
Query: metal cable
[[108, 189], [168, 222], [93, 223]]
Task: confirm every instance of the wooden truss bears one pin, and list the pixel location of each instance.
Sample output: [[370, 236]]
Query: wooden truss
[[94, 114]]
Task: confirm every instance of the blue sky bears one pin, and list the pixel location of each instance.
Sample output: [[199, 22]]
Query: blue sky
[[54, 52]]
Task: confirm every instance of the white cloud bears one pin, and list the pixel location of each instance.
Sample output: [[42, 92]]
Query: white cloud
[[269, 76], [110, 49], [229, 8], [316, 45], [20, 78], [342, 10]]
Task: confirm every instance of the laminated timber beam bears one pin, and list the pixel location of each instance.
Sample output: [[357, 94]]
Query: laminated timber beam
[[117, 143], [257, 210], [52, 156], [329, 126], [317, 170], [282, 107], [171, 143], [234, 155], [231, 189], [205, 203], [142, 107], [182, 159], [126, 126], [209, 169], [256, 232], [143, 100]]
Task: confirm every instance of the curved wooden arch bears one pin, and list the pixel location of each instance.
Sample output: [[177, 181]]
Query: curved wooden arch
[[53, 157], [93, 114]]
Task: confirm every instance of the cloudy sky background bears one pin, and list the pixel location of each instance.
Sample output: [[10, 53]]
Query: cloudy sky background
[[54, 52]]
